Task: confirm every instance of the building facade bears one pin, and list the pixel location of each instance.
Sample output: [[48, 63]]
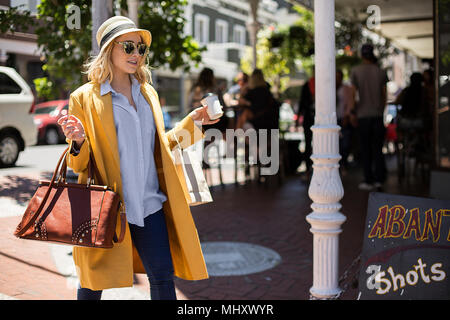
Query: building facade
[[20, 50], [221, 26]]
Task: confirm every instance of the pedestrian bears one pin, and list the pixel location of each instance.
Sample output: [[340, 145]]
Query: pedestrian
[[415, 117], [343, 114], [428, 82], [117, 118], [306, 112], [260, 111], [237, 90], [260, 106], [206, 83], [413, 99], [369, 85]]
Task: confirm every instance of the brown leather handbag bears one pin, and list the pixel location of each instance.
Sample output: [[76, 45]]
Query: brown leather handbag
[[75, 214]]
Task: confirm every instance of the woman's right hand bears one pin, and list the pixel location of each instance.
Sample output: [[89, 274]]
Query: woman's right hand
[[72, 128]]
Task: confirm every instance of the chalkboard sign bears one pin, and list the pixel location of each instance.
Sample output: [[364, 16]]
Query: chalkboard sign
[[406, 250]]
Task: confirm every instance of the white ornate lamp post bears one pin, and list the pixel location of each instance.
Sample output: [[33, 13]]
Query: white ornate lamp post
[[326, 187]]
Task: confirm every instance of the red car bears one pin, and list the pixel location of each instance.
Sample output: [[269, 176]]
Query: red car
[[46, 115]]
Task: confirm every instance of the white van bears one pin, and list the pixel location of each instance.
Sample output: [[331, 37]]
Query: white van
[[17, 128]]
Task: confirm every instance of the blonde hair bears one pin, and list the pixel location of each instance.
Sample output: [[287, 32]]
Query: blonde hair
[[99, 68]]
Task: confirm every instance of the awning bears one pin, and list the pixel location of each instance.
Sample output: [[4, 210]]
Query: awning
[[408, 23]]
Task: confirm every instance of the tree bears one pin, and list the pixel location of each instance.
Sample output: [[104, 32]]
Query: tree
[[13, 20], [283, 50], [166, 21], [66, 49], [296, 42], [170, 47], [271, 62], [350, 35]]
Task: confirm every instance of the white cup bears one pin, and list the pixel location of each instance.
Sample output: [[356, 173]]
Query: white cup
[[211, 101]]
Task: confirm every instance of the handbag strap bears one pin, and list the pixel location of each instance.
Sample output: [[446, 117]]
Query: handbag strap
[[123, 221], [21, 230], [92, 169], [95, 174]]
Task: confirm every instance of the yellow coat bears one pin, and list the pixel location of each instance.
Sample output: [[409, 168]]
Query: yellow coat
[[113, 268]]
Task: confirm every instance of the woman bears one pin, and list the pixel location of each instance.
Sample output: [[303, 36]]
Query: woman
[[413, 98], [260, 107], [117, 117], [206, 83], [344, 116]]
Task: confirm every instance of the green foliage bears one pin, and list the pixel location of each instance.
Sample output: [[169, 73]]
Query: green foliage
[[445, 56], [296, 42], [66, 50], [13, 20], [165, 20], [284, 50], [46, 88], [272, 63], [350, 37]]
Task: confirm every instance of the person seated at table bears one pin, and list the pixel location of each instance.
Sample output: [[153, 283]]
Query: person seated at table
[[261, 108]]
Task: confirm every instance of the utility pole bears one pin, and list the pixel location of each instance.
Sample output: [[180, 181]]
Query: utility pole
[[101, 11], [253, 26], [133, 6]]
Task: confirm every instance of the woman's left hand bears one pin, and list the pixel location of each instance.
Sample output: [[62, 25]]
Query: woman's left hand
[[200, 114]]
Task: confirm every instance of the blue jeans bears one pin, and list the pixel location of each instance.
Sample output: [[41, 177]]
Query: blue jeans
[[152, 244]]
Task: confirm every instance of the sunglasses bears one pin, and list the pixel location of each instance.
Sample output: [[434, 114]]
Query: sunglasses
[[130, 46]]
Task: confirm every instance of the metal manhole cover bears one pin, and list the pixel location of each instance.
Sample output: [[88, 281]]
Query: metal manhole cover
[[237, 258]]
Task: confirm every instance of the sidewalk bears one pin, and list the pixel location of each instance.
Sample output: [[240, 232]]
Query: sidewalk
[[268, 215]]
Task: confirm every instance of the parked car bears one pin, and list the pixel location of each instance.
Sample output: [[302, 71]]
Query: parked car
[[17, 129], [46, 115]]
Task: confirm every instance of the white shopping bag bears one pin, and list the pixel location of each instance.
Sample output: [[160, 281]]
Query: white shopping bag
[[195, 185]]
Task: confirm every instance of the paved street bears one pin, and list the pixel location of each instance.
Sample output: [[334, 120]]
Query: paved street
[[39, 270], [266, 216]]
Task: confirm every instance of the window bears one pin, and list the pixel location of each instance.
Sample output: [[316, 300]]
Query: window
[[30, 5], [8, 85], [201, 31], [45, 110], [239, 34], [221, 31]]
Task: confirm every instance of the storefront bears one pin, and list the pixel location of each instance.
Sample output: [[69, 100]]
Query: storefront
[[442, 83], [420, 28]]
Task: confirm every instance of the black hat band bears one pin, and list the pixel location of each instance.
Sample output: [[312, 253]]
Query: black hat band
[[111, 33]]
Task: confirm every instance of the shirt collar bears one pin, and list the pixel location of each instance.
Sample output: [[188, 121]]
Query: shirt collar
[[105, 87]]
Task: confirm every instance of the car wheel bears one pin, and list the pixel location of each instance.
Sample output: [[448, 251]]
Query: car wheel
[[51, 136], [9, 150]]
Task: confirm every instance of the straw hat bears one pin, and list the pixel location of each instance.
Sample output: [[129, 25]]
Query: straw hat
[[117, 26]]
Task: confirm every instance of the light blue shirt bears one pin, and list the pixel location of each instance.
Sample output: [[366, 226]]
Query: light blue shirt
[[136, 132]]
